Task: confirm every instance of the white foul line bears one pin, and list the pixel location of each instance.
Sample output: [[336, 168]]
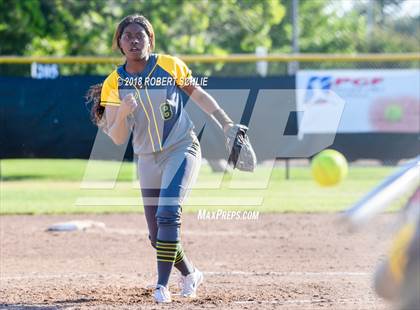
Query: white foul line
[[306, 301], [209, 273], [286, 274]]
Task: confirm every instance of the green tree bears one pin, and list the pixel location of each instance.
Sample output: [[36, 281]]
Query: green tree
[[325, 27], [20, 21], [72, 27], [217, 27]]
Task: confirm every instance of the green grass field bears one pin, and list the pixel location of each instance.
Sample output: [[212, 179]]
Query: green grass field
[[54, 187]]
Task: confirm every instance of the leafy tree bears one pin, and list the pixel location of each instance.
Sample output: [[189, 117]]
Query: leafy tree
[[217, 27], [20, 21], [72, 27]]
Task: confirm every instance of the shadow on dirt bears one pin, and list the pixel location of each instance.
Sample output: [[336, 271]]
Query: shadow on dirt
[[63, 304]]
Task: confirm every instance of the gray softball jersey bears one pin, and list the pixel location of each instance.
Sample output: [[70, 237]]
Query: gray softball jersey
[[160, 119]]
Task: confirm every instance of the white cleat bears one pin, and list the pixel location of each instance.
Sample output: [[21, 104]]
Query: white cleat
[[190, 283], [162, 294]]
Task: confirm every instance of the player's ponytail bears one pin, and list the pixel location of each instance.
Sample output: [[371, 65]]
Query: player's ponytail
[[93, 97]]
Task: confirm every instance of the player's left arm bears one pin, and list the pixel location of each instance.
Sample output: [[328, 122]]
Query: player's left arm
[[209, 105], [241, 153]]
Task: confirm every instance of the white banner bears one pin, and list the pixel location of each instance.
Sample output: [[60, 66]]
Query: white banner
[[375, 100]]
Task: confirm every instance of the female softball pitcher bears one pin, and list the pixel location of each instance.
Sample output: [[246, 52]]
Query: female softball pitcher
[[163, 138]]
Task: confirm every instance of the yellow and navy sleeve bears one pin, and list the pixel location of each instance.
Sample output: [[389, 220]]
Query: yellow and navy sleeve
[[398, 255], [176, 68], [109, 94]]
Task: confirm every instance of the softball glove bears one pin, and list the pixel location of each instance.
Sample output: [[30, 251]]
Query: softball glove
[[241, 153]]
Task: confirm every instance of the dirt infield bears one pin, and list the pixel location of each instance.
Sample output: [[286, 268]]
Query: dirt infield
[[286, 261]]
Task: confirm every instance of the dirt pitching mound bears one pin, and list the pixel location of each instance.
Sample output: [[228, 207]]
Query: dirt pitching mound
[[290, 261]]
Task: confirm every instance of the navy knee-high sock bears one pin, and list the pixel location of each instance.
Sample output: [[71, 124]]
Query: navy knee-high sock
[[182, 263]]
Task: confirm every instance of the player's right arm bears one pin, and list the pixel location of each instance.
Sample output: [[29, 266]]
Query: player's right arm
[[116, 118], [116, 110]]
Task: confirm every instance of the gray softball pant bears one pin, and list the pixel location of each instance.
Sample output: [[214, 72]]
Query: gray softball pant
[[166, 178]]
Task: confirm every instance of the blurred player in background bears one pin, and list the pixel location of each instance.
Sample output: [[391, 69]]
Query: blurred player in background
[[397, 278], [163, 138]]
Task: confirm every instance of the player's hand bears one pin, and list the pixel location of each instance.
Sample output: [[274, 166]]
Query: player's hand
[[128, 105], [227, 127]]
